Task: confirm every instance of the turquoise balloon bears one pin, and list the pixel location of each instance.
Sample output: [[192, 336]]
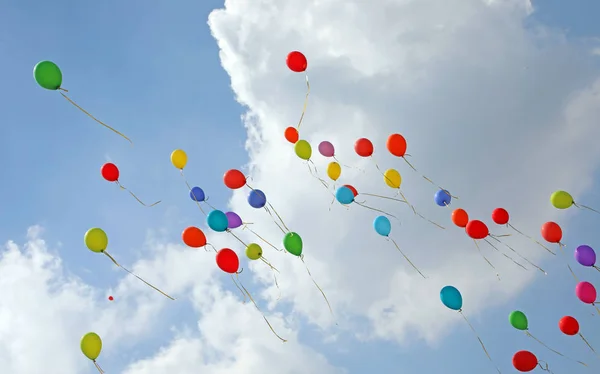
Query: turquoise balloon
[[382, 225], [451, 298], [344, 195], [217, 221]]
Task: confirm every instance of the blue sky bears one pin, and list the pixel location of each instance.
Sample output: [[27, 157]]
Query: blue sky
[[153, 72]]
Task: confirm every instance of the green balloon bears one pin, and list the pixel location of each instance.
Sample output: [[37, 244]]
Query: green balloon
[[292, 242], [48, 75], [518, 320]]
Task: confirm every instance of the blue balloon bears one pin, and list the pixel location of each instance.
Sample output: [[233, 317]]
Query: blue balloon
[[257, 199], [344, 195], [197, 194], [382, 225], [442, 198], [217, 221], [451, 298]]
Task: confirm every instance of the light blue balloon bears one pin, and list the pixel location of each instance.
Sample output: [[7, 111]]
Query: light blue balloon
[[382, 225], [442, 198], [217, 221], [344, 195], [451, 298]]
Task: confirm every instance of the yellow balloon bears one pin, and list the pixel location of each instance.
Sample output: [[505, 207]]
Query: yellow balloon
[[334, 170], [303, 149], [561, 199], [179, 158], [392, 178], [96, 240], [253, 251], [91, 345]]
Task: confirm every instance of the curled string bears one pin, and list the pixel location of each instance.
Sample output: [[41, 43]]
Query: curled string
[[504, 254], [544, 367], [278, 216], [530, 238], [190, 188], [480, 341], [518, 254], [92, 117], [274, 269], [315, 173], [317, 285], [427, 179], [588, 344], [209, 204], [244, 297], [98, 367], [406, 257], [375, 209], [127, 270], [586, 207], [550, 349], [305, 102], [135, 197], [485, 258], [263, 239], [257, 308], [348, 166]]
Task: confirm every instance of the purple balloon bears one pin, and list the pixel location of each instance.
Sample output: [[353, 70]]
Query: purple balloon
[[585, 255], [233, 220], [326, 149]]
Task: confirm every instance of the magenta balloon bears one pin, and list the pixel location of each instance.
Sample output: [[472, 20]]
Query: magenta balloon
[[233, 220], [586, 292], [585, 255], [326, 149]]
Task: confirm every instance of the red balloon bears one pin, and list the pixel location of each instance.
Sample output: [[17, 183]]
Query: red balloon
[[568, 325], [110, 172], [228, 261], [234, 179], [551, 232], [500, 216], [477, 229], [193, 237], [396, 145], [363, 147], [110, 298], [524, 361], [291, 135], [296, 61], [354, 191]]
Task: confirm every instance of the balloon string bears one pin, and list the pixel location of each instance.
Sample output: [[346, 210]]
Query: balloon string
[[263, 239], [406, 257], [212, 246], [430, 221], [375, 209], [277, 285], [244, 297], [588, 344], [550, 349], [485, 258], [98, 367], [238, 239], [257, 308], [190, 188], [384, 197], [209, 204], [94, 118], [317, 285], [127, 270], [504, 254], [271, 208], [573, 273], [428, 179], [518, 254], [305, 102], [530, 238], [399, 192], [545, 366], [596, 307], [135, 197], [478, 338], [586, 207], [596, 267], [315, 174], [274, 221], [268, 264], [348, 166]]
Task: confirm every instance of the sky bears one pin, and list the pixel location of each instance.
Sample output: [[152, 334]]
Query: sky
[[499, 102]]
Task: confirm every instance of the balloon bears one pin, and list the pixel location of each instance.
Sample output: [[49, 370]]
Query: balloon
[[91, 345], [392, 178], [96, 240], [585, 255], [257, 199], [334, 170], [193, 237], [234, 179], [179, 158], [442, 198], [217, 221], [568, 325], [303, 149], [253, 251], [500, 216], [110, 172], [354, 191], [197, 194], [518, 320], [228, 261], [296, 62], [48, 75], [233, 220], [396, 145], [451, 298], [110, 298], [524, 361], [460, 217], [344, 195], [586, 292], [292, 242], [291, 135], [382, 225], [363, 147], [477, 229], [551, 232], [326, 149], [561, 199]]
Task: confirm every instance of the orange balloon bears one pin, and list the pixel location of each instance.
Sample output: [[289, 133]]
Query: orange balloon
[[396, 144], [291, 135], [193, 237], [460, 217]]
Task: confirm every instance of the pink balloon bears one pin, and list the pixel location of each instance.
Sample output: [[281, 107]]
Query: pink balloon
[[586, 292], [326, 149]]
